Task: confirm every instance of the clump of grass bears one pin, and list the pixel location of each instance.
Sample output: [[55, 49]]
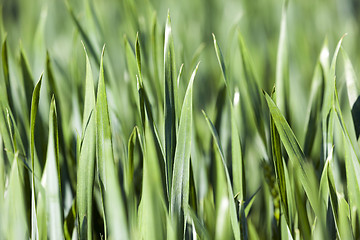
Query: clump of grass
[[160, 146]]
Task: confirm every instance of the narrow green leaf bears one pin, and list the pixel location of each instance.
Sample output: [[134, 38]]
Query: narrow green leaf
[[294, 151], [252, 87], [180, 182], [353, 91], [51, 179], [16, 224], [52, 89], [138, 57], [170, 104], [129, 181], [146, 106], [243, 221], [238, 166], [86, 162], [152, 208], [220, 58], [5, 65], [28, 82], [114, 208], [199, 227], [282, 69], [340, 208], [327, 116], [278, 165], [85, 37], [34, 108], [352, 167], [69, 222], [132, 70], [233, 214], [237, 160], [314, 108], [345, 230]]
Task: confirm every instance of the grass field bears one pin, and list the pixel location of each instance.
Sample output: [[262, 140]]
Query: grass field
[[202, 119]]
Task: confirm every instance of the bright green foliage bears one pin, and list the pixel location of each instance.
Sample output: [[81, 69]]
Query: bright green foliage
[[161, 147]]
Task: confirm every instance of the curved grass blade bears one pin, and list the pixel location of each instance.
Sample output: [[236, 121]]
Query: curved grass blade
[[199, 227], [152, 209], [340, 208], [353, 92], [5, 65], [352, 166], [28, 82], [51, 179], [180, 182], [34, 108], [146, 106], [170, 104], [138, 58], [115, 216], [220, 58], [129, 181], [233, 214], [131, 68], [237, 161], [279, 167], [252, 87], [85, 37], [294, 151], [69, 222], [86, 162], [16, 225], [315, 104], [327, 116], [345, 230]]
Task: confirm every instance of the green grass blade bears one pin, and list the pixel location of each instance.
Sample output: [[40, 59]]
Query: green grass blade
[[34, 108], [138, 57], [279, 166], [152, 209], [5, 65], [51, 179], [28, 82], [294, 151], [114, 209], [220, 58], [16, 225], [238, 165], [252, 87], [327, 116], [131, 68], [353, 92], [345, 230], [85, 37], [199, 227], [146, 106], [180, 182], [69, 222], [237, 160], [340, 208], [233, 214], [282, 69], [313, 115], [86, 162], [52, 89], [352, 167], [169, 105]]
